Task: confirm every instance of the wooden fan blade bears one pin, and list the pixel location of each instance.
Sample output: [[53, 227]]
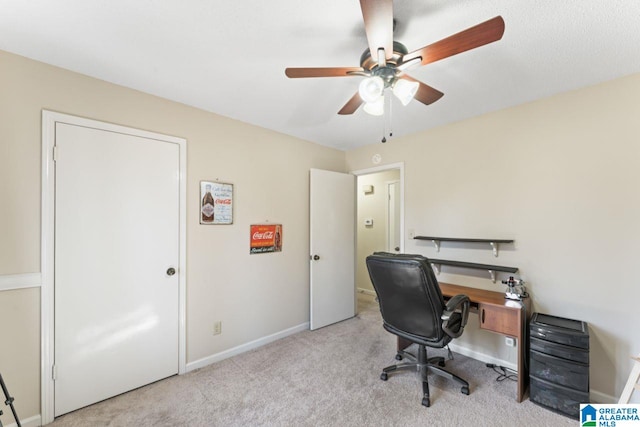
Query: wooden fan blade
[[378, 24], [484, 33], [296, 73], [425, 94], [352, 105]]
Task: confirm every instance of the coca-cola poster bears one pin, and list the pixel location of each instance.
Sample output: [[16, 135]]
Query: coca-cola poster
[[216, 203], [265, 238]]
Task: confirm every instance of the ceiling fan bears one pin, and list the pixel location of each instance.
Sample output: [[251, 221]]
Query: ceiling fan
[[385, 62]]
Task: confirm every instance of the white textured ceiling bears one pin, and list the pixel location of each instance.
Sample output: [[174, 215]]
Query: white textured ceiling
[[229, 57]]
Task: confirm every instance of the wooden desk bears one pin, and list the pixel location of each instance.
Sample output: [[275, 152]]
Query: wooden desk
[[497, 314]]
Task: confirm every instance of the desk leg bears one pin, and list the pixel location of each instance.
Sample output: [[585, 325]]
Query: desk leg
[[523, 374]]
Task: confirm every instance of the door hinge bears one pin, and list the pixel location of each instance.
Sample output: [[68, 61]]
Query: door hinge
[[54, 372], [55, 153]]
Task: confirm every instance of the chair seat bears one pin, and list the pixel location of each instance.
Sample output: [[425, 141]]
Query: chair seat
[[455, 322]]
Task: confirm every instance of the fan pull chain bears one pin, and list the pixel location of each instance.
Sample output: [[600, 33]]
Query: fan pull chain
[[384, 123], [388, 101], [390, 117]]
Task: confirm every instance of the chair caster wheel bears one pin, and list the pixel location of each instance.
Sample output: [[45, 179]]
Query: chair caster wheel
[[398, 356], [465, 390], [441, 363], [426, 402], [384, 376]]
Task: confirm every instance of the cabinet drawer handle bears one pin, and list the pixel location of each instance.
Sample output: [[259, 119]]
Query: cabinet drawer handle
[[483, 315]]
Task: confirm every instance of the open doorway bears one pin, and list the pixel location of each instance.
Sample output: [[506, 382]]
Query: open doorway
[[379, 222]]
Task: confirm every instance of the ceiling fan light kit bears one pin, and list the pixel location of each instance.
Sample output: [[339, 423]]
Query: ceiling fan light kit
[[371, 89], [387, 67]]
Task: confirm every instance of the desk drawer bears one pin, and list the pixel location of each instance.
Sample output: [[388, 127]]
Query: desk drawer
[[503, 320]]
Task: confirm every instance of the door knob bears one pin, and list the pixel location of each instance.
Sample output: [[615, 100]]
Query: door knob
[[171, 271], [397, 248], [316, 257]]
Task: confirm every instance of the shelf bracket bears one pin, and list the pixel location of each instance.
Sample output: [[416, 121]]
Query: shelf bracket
[[437, 244], [437, 267], [494, 246], [493, 275]]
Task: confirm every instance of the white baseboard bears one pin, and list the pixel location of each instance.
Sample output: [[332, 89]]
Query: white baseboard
[[9, 282], [34, 421], [598, 397], [366, 291], [486, 358], [205, 361]]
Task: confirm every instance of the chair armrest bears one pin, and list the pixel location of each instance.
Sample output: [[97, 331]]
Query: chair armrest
[[458, 302]]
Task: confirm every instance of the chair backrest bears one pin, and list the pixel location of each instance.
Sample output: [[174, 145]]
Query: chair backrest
[[410, 299]]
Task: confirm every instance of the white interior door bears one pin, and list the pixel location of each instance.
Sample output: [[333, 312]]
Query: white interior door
[[332, 237], [116, 237], [393, 217]]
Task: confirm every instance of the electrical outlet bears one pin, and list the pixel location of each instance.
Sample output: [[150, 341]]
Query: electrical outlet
[[508, 341], [217, 328]]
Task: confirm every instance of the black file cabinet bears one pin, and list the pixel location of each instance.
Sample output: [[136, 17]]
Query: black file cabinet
[[558, 363]]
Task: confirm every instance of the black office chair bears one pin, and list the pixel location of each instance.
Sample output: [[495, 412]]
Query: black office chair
[[413, 308]]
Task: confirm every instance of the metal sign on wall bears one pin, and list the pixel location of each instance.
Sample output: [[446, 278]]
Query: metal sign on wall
[[216, 203], [265, 238]]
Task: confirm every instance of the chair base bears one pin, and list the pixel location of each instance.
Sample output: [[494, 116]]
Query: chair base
[[424, 365]]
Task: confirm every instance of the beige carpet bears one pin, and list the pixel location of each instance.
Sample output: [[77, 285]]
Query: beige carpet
[[328, 377]]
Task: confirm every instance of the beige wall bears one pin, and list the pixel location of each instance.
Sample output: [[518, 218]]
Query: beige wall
[[374, 206], [20, 351], [561, 177], [254, 296]]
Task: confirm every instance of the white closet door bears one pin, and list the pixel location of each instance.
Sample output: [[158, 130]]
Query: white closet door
[[116, 237]]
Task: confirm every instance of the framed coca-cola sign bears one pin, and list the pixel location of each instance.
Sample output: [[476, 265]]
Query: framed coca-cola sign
[[265, 238], [216, 203]]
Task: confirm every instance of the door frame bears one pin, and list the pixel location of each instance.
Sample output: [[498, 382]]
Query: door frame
[[47, 241], [383, 168]]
